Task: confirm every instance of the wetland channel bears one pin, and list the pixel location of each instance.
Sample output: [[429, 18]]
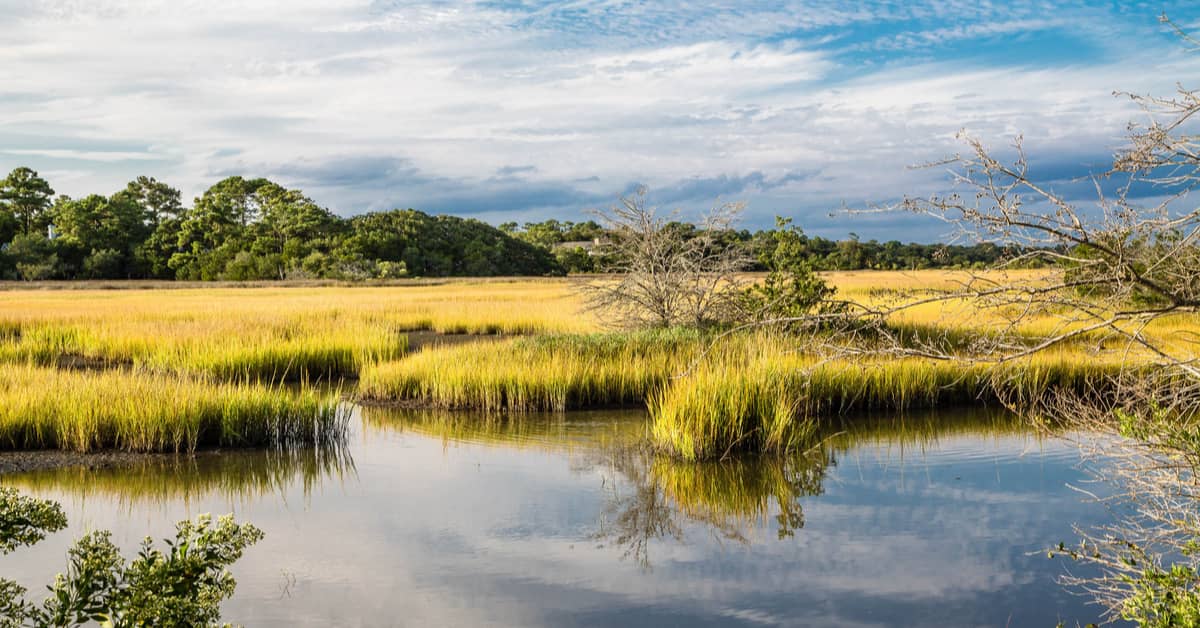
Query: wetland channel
[[430, 518]]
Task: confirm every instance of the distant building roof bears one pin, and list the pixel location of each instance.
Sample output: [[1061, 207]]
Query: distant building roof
[[588, 245], [576, 244]]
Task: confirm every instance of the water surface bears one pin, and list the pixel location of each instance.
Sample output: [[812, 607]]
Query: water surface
[[432, 518]]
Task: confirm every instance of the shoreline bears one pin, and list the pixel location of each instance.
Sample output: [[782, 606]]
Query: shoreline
[[15, 462]]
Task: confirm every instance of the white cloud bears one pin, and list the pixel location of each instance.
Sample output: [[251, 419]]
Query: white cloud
[[84, 155], [613, 91]]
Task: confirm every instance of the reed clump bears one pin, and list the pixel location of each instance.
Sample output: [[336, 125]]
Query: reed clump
[[540, 373], [43, 408], [771, 400]]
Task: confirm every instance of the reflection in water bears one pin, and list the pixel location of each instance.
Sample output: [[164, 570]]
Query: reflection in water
[[919, 429], [577, 431], [234, 476], [650, 496], [730, 498], [458, 519]]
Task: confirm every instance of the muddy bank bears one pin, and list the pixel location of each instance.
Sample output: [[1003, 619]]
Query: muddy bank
[[22, 461], [425, 339]]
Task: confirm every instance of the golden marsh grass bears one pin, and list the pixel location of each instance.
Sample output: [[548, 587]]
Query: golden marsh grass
[[43, 408], [554, 372], [171, 348], [268, 333], [762, 397]]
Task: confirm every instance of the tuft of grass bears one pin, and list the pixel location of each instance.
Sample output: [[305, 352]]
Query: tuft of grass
[[541, 373], [757, 397], [749, 392], [44, 408], [713, 412]]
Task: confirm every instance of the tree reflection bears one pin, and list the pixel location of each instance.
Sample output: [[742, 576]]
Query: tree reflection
[[638, 510], [652, 497]]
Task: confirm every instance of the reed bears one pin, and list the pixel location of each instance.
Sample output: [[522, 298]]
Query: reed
[[774, 401], [751, 392], [272, 334], [44, 408], [554, 373]]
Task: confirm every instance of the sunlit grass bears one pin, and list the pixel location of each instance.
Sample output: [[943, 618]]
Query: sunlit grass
[[171, 348], [708, 398], [44, 408], [559, 372], [268, 333], [759, 396]]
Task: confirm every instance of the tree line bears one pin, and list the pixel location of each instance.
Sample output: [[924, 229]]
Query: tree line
[[567, 240], [247, 229]]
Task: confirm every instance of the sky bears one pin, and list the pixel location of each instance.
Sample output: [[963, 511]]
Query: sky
[[526, 110]]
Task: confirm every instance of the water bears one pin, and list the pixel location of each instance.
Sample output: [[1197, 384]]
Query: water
[[440, 519]]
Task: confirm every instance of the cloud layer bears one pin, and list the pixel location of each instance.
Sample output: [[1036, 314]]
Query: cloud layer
[[524, 110]]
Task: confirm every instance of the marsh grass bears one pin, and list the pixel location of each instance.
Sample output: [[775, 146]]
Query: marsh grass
[[295, 333], [43, 408], [269, 334], [541, 373], [752, 392], [772, 400], [268, 350], [748, 392]]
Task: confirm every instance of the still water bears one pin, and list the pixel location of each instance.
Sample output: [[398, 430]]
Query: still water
[[439, 519]]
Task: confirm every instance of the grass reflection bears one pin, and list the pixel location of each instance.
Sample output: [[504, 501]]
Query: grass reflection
[[648, 497], [655, 497], [651, 497], [547, 431], [234, 475]]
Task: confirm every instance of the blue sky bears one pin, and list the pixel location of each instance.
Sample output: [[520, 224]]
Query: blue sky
[[526, 110]]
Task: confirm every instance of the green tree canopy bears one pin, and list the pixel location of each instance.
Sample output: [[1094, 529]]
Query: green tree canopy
[[249, 229], [158, 200], [25, 197], [439, 246]]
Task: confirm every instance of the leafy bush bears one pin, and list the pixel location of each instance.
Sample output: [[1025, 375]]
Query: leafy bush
[[181, 586], [791, 290]]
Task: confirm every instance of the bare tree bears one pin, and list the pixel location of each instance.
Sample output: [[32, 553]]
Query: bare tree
[[1124, 269], [1122, 265], [667, 272]]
